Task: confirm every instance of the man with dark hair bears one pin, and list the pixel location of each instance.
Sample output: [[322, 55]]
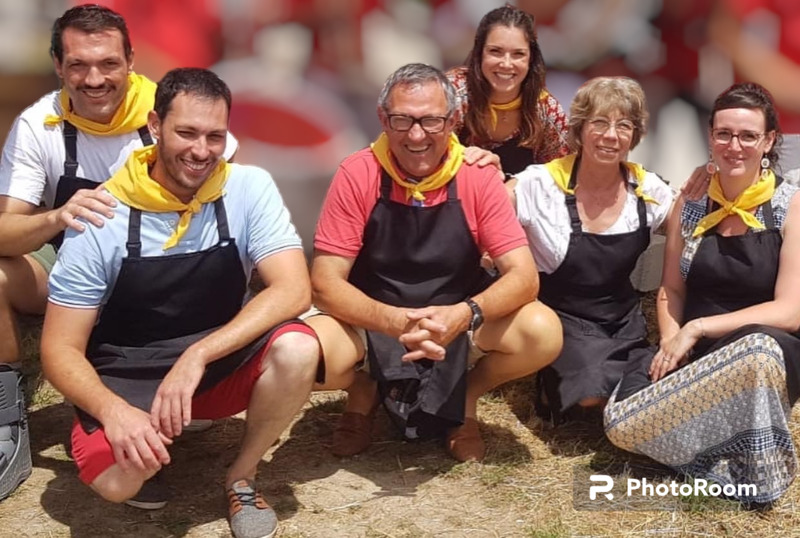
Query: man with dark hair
[[56, 153], [145, 327], [397, 269]]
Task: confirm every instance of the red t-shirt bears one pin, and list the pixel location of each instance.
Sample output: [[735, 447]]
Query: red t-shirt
[[355, 189]]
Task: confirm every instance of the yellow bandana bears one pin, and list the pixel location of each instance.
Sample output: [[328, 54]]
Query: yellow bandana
[[753, 196], [561, 169], [133, 186], [130, 116], [446, 172], [494, 108]]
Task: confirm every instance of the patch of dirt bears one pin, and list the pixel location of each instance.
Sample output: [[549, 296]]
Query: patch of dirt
[[396, 489]]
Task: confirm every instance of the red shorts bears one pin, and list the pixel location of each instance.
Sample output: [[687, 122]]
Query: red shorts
[[93, 454]]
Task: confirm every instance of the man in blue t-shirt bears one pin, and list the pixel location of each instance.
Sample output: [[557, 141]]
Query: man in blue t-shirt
[[145, 327]]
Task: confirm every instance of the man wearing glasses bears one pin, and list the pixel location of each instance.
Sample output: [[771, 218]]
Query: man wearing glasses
[[397, 272]]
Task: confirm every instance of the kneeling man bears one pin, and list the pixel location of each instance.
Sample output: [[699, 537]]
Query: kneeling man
[[397, 271], [167, 278]]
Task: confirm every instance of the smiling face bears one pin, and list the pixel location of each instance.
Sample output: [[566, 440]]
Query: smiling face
[[732, 158], [191, 142], [606, 139], [418, 153], [505, 61], [94, 71]]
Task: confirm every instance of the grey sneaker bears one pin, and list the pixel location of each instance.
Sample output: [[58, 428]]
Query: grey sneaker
[[198, 425], [152, 496], [250, 515]]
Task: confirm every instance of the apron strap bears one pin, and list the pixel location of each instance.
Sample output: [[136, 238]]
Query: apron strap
[[572, 202], [144, 134], [222, 221], [134, 244], [386, 186], [641, 209], [452, 189], [70, 150]]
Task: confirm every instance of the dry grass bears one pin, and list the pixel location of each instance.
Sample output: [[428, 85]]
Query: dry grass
[[396, 489]]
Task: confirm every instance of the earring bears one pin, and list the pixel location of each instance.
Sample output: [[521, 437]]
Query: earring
[[764, 166], [711, 167]]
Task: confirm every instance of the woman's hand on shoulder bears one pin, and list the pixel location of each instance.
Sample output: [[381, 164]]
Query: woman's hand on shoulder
[[697, 185], [481, 157]]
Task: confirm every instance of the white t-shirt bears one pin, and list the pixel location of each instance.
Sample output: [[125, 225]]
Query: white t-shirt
[[542, 211], [33, 155]]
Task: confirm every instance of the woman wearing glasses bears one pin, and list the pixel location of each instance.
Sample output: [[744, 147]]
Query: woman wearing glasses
[[714, 402], [588, 217], [505, 106]]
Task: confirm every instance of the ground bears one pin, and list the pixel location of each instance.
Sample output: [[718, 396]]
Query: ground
[[396, 489]]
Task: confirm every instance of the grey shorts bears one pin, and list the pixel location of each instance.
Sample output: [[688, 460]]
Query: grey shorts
[[475, 353]]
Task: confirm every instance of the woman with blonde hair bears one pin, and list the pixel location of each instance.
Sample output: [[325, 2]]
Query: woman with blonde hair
[[588, 217]]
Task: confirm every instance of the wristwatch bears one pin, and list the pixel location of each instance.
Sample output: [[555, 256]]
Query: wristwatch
[[477, 314]]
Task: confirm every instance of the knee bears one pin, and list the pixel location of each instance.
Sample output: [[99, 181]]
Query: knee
[[117, 487], [294, 354], [541, 330]]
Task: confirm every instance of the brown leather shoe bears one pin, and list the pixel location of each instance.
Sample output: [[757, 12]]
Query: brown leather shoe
[[465, 443], [353, 434]]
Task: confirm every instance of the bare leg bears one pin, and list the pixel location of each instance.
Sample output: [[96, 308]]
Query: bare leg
[[116, 485], [288, 371], [523, 342], [342, 349], [23, 288]]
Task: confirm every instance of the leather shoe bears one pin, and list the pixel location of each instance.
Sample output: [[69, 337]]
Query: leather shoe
[[464, 443], [352, 435]]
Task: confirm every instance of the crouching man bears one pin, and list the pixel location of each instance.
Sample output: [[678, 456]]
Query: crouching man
[[145, 327]]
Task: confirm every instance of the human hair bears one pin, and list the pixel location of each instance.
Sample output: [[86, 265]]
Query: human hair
[[90, 19], [601, 96], [190, 80], [479, 89], [417, 74], [756, 97]]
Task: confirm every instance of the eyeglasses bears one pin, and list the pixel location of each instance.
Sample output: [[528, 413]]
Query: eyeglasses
[[747, 139], [429, 124], [622, 127]]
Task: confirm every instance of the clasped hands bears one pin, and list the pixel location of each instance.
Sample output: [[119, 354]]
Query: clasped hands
[[426, 332]]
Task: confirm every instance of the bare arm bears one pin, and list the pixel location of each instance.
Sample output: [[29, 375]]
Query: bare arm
[[336, 296], [63, 353], [782, 312], [25, 227], [287, 294]]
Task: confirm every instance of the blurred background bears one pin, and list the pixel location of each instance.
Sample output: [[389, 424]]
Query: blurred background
[[306, 73]]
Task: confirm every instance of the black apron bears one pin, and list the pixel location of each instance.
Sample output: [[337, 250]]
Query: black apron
[[728, 274], [414, 257], [513, 157], [592, 294], [69, 183], [161, 305]]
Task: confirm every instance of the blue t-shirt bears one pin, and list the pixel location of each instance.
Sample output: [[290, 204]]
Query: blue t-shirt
[[89, 262]]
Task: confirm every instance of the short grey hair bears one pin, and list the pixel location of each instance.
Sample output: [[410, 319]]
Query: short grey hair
[[417, 74]]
